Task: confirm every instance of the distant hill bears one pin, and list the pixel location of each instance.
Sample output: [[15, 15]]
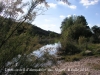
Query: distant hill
[[25, 39], [7, 24]]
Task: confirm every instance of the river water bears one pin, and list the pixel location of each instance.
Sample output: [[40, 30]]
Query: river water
[[50, 48]]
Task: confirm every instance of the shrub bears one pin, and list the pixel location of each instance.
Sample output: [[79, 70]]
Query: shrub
[[97, 52], [71, 49], [73, 57], [87, 53], [82, 40]]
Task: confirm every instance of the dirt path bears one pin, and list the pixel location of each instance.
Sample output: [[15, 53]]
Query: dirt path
[[83, 67]]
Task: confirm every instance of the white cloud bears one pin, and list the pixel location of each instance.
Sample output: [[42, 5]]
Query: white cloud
[[46, 20], [89, 2], [68, 16], [90, 25], [98, 25], [41, 5], [51, 27], [62, 16], [48, 27], [52, 5], [71, 15], [74, 14], [72, 6], [64, 4]]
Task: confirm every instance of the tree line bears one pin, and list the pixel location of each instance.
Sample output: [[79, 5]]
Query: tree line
[[77, 37]]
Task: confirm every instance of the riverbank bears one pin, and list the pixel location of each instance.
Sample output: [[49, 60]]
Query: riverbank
[[86, 66]]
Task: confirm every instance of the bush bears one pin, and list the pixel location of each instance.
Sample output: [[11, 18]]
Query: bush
[[87, 53], [97, 52], [95, 48], [73, 57], [71, 49], [82, 40]]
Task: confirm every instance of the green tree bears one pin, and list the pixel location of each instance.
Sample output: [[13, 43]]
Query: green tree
[[17, 44], [81, 20], [11, 9], [96, 34], [67, 22], [72, 28]]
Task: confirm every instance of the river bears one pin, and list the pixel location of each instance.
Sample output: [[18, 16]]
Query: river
[[50, 48]]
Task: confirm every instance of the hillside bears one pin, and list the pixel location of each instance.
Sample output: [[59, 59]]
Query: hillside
[[25, 39]]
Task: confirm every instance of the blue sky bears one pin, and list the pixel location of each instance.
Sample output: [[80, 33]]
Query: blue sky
[[52, 18]]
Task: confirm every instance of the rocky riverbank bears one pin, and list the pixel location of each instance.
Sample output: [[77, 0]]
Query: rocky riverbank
[[86, 66]]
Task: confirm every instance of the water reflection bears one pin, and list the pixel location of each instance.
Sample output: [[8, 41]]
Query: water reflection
[[40, 54], [50, 48]]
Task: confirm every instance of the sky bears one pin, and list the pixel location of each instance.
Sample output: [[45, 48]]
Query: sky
[[51, 19]]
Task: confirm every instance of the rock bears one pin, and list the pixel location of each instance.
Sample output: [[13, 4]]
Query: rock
[[88, 51]]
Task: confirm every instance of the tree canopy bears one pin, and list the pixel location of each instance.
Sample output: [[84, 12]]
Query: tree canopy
[[75, 26], [12, 8]]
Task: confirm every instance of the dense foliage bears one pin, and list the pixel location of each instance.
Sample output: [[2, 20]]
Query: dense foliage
[[24, 40], [76, 36]]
